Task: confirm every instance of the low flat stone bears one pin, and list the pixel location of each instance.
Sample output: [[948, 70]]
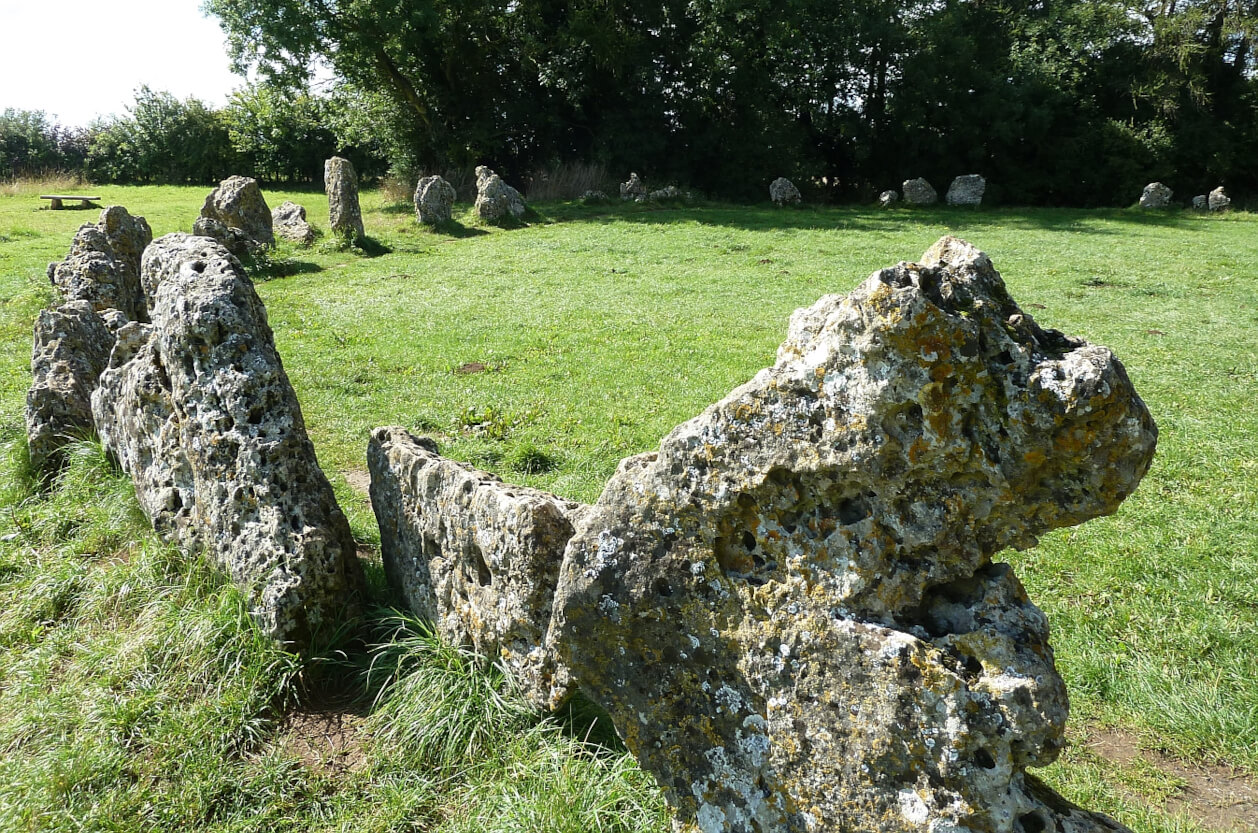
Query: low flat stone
[[477, 557]]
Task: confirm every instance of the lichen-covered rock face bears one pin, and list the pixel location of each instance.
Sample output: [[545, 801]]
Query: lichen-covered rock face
[[782, 191], [196, 407], [919, 192], [238, 204], [477, 557], [72, 345], [966, 190], [289, 221], [103, 266], [434, 200], [790, 610], [1218, 200], [633, 189], [1156, 195], [495, 199], [345, 215], [232, 239], [888, 198]]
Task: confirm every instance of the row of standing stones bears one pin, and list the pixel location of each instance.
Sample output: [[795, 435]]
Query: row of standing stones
[[790, 610], [1157, 195]]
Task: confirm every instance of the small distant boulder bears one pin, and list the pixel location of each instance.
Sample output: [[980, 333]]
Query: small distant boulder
[[668, 193], [495, 199], [633, 189], [289, 221], [594, 197], [237, 205], [1218, 200], [888, 198], [782, 191], [345, 216], [919, 192], [1156, 195], [1201, 202], [966, 190], [434, 201]]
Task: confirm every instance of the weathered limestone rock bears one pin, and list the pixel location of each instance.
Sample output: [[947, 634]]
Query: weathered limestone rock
[[1155, 195], [237, 203], [783, 191], [495, 199], [667, 193], [1219, 200], [345, 216], [888, 198], [234, 240], [196, 407], [633, 189], [103, 266], [919, 192], [434, 200], [594, 197], [966, 190], [289, 221], [1201, 202], [72, 345], [790, 609], [477, 557]]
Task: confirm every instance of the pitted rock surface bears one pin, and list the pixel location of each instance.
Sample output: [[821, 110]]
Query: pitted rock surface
[[495, 199], [1156, 195], [103, 266], [289, 221], [237, 203], [196, 407], [1218, 200], [477, 557], [434, 200], [919, 192], [345, 215], [790, 610], [72, 345], [232, 239], [1201, 202], [888, 198], [966, 190], [633, 189], [783, 191]]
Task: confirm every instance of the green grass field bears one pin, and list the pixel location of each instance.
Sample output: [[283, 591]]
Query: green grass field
[[135, 695]]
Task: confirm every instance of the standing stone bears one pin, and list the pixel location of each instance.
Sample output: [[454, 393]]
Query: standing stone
[[72, 345], [345, 216], [1201, 202], [888, 198], [103, 265], [289, 221], [919, 192], [475, 556], [1218, 200], [1155, 195], [790, 609], [434, 201], [633, 189], [966, 190], [196, 407], [237, 204], [495, 199], [783, 191]]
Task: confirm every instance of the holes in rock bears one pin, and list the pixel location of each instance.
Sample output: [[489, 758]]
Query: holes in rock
[[1032, 823], [197, 266], [984, 759], [852, 510], [483, 576], [749, 540], [255, 415], [663, 588]]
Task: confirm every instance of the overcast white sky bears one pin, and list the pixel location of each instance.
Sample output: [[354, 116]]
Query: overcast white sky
[[78, 59]]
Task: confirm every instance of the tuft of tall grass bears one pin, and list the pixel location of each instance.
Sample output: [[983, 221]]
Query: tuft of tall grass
[[566, 181], [48, 182]]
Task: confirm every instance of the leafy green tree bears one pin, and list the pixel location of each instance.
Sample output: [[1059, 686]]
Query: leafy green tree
[[28, 143], [279, 135]]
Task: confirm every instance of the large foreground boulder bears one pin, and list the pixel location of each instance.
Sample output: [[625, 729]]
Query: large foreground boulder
[[966, 190], [345, 215], [495, 199], [919, 192], [790, 610], [196, 407], [103, 265], [289, 221], [72, 345], [434, 200], [477, 557], [236, 215]]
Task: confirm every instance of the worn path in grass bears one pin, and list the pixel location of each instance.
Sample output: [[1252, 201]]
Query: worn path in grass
[[550, 352]]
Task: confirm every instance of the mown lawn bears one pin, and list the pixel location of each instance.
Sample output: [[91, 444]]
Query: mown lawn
[[135, 695]]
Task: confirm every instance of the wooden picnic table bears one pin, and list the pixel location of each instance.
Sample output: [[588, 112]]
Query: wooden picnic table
[[57, 198]]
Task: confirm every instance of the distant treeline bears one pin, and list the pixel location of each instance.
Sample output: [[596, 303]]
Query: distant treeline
[[1065, 102]]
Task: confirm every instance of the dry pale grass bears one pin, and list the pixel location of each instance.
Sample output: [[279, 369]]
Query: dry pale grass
[[566, 181], [49, 182]]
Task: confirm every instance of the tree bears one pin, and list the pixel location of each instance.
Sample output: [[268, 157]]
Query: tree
[[278, 134]]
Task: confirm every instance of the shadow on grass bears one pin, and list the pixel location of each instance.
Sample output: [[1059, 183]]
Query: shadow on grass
[[284, 268], [453, 228]]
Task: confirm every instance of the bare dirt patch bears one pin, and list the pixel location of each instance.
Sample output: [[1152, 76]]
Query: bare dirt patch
[[1216, 797], [358, 479], [329, 740]]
